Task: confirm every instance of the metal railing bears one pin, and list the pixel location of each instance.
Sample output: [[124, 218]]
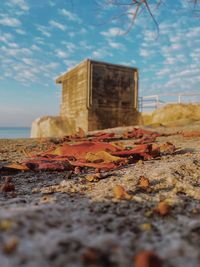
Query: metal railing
[[152, 102]]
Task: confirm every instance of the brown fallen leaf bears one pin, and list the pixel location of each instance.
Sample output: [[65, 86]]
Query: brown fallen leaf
[[6, 225], [145, 227], [120, 193], [165, 148], [143, 182], [94, 177], [147, 259], [163, 208], [10, 245], [7, 187], [191, 134], [102, 156], [90, 256], [94, 257], [17, 166]]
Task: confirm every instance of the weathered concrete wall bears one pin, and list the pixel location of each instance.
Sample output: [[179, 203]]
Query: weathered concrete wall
[[114, 96], [99, 95], [74, 96]]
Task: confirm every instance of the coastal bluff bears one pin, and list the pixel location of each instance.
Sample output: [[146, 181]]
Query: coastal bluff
[[52, 126]]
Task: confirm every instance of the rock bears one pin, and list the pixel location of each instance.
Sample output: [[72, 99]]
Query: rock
[[50, 126], [173, 115]]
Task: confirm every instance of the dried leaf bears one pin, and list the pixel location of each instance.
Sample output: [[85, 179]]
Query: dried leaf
[[6, 225], [120, 193], [137, 151], [104, 136], [102, 156], [99, 166], [48, 165], [7, 187], [165, 148], [147, 259], [146, 227], [11, 245], [94, 177], [191, 134], [17, 166], [80, 150], [163, 208], [146, 140], [90, 257], [143, 182]]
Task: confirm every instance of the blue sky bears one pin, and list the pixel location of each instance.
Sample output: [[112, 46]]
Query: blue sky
[[40, 39]]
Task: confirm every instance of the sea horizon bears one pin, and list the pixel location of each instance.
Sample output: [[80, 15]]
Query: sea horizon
[[12, 132]]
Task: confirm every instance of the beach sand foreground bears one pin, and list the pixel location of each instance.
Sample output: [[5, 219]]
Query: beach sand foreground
[[51, 219]]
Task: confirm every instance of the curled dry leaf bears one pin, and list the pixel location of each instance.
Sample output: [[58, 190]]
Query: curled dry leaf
[[146, 227], [93, 257], [7, 187], [6, 225], [94, 177], [120, 193], [191, 134], [80, 150], [102, 156], [163, 208], [10, 245], [77, 170], [143, 182], [165, 148], [147, 259], [19, 167]]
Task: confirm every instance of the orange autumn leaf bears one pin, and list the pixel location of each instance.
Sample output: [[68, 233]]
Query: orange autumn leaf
[[147, 259], [191, 134], [163, 208], [17, 166], [143, 182], [120, 193], [101, 166], [102, 156], [80, 150]]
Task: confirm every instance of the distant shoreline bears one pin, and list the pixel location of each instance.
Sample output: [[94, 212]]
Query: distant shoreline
[[13, 132]]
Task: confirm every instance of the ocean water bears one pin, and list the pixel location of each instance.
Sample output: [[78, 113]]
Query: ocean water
[[15, 132]]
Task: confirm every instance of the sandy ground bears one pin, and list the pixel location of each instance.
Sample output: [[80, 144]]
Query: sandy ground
[[53, 220]]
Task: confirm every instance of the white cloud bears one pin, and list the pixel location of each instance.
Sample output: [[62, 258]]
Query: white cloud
[[57, 25], [35, 47], [44, 30], [70, 15], [70, 46], [146, 52], [85, 45], [10, 22], [61, 54], [116, 45], [101, 53], [18, 3], [6, 37], [112, 32], [20, 31]]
